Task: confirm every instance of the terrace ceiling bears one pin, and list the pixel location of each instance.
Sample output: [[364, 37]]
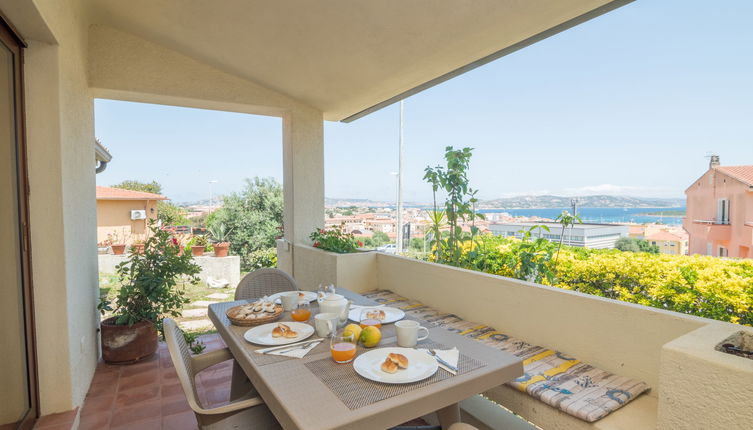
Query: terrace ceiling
[[346, 57]]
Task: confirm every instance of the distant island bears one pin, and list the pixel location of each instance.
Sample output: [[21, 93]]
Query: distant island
[[596, 201], [663, 213], [531, 202]]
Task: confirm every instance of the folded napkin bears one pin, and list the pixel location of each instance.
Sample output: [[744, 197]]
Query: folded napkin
[[451, 356], [296, 353]]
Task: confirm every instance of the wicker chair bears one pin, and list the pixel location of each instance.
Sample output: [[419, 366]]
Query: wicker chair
[[248, 412], [264, 282]]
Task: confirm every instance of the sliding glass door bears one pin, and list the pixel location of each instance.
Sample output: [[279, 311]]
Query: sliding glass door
[[17, 370]]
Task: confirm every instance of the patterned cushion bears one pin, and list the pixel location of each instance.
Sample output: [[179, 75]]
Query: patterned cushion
[[552, 377]]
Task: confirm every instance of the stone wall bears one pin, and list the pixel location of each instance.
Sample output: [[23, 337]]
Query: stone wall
[[228, 268]]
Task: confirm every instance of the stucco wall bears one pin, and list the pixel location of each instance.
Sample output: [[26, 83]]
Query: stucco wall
[[356, 272], [114, 217]]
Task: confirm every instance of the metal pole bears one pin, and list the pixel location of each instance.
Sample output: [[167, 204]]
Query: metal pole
[[212, 182], [400, 185]]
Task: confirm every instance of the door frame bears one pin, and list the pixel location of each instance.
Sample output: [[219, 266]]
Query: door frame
[[10, 38]]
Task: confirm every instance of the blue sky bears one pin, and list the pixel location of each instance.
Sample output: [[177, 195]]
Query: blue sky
[[627, 104]]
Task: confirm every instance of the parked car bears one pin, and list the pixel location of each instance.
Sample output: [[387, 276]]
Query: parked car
[[390, 248]]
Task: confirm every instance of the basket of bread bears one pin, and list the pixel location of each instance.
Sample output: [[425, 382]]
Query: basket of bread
[[259, 312]]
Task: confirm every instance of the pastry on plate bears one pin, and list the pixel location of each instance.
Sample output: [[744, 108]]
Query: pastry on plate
[[399, 359], [389, 366]]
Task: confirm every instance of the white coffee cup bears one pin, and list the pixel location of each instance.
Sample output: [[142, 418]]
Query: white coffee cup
[[325, 323], [289, 300], [407, 333]]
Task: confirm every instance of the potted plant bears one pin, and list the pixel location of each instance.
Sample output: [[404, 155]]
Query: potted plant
[[149, 292], [137, 247], [220, 236], [198, 245], [335, 240], [104, 246], [117, 242]]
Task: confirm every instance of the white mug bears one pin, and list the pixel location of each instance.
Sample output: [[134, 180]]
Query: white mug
[[325, 324], [289, 300], [407, 333]]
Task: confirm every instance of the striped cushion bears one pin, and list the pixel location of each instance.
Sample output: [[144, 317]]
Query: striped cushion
[[552, 377]]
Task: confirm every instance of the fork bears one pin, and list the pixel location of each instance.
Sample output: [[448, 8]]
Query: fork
[[442, 361]]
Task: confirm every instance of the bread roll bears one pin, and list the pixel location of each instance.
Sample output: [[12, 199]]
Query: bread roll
[[389, 366], [290, 333], [399, 359], [278, 332]]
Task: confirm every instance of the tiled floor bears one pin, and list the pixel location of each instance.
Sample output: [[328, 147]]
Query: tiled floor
[[147, 395]]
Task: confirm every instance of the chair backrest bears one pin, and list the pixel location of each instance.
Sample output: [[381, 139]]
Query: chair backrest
[[181, 357], [264, 282]]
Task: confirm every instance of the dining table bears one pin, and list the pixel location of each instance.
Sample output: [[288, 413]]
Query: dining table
[[315, 393]]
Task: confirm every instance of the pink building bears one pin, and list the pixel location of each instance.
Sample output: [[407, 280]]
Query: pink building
[[719, 215]]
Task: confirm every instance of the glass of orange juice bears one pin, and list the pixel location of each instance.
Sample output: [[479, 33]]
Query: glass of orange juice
[[343, 348], [302, 312], [371, 317]]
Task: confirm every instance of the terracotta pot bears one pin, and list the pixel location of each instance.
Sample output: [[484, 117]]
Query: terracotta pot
[[122, 344], [197, 251], [137, 248], [221, 249], [118, 249]]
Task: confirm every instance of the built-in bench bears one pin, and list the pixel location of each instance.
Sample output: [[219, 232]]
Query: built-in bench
[[572, 388]]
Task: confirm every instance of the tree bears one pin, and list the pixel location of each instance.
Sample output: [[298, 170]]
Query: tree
[[253, 217], [566, 220], [153, 187], [632, 244], [380, 238]]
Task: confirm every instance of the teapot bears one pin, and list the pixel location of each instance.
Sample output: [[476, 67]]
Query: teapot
[[336, 304]]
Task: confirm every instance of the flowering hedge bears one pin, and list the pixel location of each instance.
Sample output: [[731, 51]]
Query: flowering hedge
[[335, 240], [708, 287]]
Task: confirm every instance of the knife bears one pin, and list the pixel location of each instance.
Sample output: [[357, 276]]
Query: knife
[[306, 342]]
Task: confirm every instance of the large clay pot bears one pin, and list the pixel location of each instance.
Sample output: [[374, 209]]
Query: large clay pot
[[118, 249], [137, 248], [197, 251], [122, 344], [221, 249]]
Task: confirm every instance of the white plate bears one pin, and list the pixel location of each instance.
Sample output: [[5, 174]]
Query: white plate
[[390, 314], [308, 296], [420, 366], [262, 335]]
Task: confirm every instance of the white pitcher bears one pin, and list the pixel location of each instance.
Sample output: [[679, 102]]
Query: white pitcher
[[335, 304]]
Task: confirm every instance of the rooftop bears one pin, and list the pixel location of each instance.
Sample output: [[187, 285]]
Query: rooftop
[[743, 174], [110, 193]]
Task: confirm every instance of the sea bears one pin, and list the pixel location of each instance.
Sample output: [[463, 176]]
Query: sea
[[601, 215]]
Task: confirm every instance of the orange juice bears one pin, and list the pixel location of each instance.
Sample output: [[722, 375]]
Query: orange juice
[[301, 314], [371, 322], [343, 352]]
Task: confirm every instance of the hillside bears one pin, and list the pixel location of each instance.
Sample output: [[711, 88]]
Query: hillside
[[598, 201]]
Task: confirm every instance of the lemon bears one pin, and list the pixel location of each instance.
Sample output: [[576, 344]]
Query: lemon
[[353, 329], [370, 336]]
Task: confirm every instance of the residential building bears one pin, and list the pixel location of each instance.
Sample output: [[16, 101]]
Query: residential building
[[305, 63], [669, 243], [719, 215], [123, 215], [597, 236]]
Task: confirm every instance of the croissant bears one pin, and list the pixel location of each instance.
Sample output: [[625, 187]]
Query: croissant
[[389, 366], [290, 333], [278, 332]]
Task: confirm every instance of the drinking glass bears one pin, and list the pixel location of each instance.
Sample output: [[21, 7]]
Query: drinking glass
[[343, 348], [371, 317], [302, 312]]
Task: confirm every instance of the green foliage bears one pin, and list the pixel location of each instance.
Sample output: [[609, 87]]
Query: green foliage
[[416, 244], [149, 282], [219, 233], [194, 344], [171, 214], [253, 218], [566, 220], [380, 238], [153, 187], [708, 287], [631, 244], [335, 240], [262, 258], [459, 206]]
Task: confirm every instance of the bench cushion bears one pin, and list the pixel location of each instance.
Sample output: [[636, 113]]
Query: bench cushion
[[553, 377]]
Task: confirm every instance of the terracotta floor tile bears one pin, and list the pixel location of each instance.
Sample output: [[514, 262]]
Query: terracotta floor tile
[[59, 420], [147, 378], [106, 376], [172, 390], [182, 421], [148, 424], [98, 421], [169, 376], [139, 412], [137, 395], [97, 404], [102, 390], [174, 405], [141, 367]]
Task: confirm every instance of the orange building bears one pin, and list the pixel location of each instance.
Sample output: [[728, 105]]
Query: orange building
[[719, 215], [124, 213]]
